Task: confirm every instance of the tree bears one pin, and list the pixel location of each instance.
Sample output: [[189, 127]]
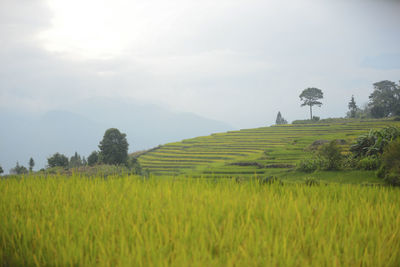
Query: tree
[[279, 119], [385, 99], [57, 160], [75, 161], [352, 107], [1, 170], [114, 147], [31, 164], [310, 97], [93, 158], [18, 169]]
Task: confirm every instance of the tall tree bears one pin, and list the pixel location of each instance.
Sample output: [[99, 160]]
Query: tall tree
[[114, 147], [31, 164], [352, 108], [310, 97], [279, 119], [385, 99]]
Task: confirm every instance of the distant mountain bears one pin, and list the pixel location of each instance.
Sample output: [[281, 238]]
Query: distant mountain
[[81, 127]]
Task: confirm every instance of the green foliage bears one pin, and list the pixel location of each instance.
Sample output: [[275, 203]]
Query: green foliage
[[369, 163], [114, 147], [385, 99], [31, 164], [310, 97], [391, 163], [1, 170], [280, 120], [134, 165], [57, 160], [332, 155], [75, 161], [309, 165], [93, 158], [19, 169], [374, 142], [352, 108]]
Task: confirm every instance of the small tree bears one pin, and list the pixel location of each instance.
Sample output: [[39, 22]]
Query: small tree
[[75, 161], [310, 97], [19, 169], [1, 170], [114, 147], [279, 119], [31, 164], [331, 153], [93, 158], [57, 160], [352, 107]]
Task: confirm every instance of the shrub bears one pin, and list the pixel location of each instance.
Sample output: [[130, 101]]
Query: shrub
[[369, 163], [391, 163], [308, 165], [332, 154], [57, 160]]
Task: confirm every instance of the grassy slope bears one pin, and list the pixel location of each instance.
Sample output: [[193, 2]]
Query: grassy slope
[[212, 156]]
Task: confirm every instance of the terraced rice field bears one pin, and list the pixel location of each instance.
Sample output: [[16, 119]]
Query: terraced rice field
[[257, 151]]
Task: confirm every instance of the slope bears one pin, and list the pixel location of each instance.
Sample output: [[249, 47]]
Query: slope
[[261, 151]]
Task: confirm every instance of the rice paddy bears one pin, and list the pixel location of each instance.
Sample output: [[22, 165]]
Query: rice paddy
[[249, 152], [165, 221]]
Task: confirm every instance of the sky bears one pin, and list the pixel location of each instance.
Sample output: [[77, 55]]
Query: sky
[[236, 61]]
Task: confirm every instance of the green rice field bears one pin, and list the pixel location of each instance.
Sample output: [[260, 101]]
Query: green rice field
[[249, 152], [165, 221]]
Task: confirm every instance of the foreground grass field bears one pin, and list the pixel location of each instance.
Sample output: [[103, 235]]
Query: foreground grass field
[[128, 221]]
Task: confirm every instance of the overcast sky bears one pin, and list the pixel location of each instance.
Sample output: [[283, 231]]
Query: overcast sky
[[238, 61]]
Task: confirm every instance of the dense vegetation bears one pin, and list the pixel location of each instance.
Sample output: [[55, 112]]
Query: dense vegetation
[[129, 221]]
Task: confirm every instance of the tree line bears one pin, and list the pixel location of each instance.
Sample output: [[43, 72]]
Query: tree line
[[113, 150], [384, 101]]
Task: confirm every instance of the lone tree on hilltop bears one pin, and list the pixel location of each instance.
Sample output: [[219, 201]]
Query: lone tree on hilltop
[[279, 119], [352, 108], [114, 147], [31, 164], [310, 97], [385, 99]]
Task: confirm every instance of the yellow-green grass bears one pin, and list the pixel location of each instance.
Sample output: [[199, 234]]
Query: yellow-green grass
[[267, 146], [128, 221]]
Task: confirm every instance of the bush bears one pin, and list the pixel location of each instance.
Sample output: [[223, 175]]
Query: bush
[[392, 178], [391, 163], [308, 165], [332, 155], [369, 163], [57, 160]]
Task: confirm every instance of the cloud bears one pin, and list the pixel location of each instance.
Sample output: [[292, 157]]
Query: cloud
[[237, 61]]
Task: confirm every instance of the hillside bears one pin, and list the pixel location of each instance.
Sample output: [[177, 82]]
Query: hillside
[[261, 151]]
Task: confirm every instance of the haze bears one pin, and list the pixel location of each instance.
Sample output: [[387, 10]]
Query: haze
[[237, 62]]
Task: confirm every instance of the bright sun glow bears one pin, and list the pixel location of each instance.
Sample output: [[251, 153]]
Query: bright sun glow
[[102, 28]]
